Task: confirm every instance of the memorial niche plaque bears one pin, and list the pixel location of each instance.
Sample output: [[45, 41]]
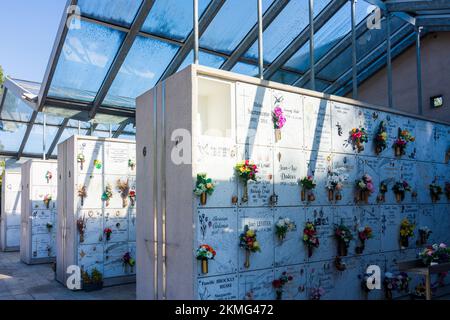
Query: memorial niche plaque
[[350, 167], [217, 157], [389, 173], [441, 143], [117, 221], [370, 216], [113, 265], [259, 192], [317, 124], [289, 169], [427, 218], [132, 225], [390, 227], [369, 120], [371, 166], [260, 220], [94, 190], [322, 217], [42, 245], [409, 174], [40, 220], [295, 289], [256, 285], [93, 232], [218, 288], [38, 195], [291, 250], [320, 275], [91, 150], [292, 106], [219, 229], [442, 226], [347, 285], [342, 122], [411, 148], [317, 165], [425, 174], [348, 216], [116, 157], [254, 116], [90, 256], [424, 140]]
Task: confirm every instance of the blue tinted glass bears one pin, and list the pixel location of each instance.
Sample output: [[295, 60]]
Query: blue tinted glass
[[320, 85], [11, 135], [245, 68], [85, 59], [50, 119], [15, 109], [30, 86], [172, 18], [67, 133], [289, 23], [284, 77], [204, 58], [326, 37], [121, 12], [231, 25], [34, 143], [145, 63]]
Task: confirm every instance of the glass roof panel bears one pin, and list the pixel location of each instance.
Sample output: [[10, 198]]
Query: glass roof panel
[[85, 59], [231, 25], [35, 140], [245, 68], [204, 58], [66, 134], [15, 109], [284, 77], [320, 85], [30, 86], [50, 119], [11, 135], [145, 63], [173, 18], [290, 22], [326, 37], [120, 12]]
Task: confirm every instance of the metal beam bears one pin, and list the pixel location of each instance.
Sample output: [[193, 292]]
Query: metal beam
[[195, 31], [419, 72], [417, 5], [312, 61], [332, 54], [379, 63], [60, 131], [260, 40], [188, 45], [122, 127], [56, 52], [11, 154], [252, 36], [402, 15], [27, 134], [138, 22], [378, 51], [5, 91], [354, 59], [303, 37], [389, 60], [433, 20]]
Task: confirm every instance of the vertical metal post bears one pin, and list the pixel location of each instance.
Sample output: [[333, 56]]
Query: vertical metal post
[[311, 45], [354, 66], [260, 41], [196, 32], [44, 129], [79, 127], [389, 60], [419, 72], [110, 130]]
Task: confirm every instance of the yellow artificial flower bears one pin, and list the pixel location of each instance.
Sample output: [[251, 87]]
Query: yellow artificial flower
[[250, 233], [256, 244], [209, 185]]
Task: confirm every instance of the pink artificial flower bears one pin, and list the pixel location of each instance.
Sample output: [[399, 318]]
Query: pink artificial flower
[[278, 111], [369, 186], [367, 178], [442, 245]]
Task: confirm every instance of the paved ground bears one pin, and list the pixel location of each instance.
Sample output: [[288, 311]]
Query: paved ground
[[19, 281]]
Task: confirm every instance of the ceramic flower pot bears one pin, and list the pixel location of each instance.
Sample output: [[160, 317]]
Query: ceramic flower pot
[[366, 194], [303, 195], [311, 197], [310, 251], [47, 204], [277, 135], [404, 242], [234, 200], [338, 197], [203, 198], [378, 150], [360, 249], [82, 237], [124, 202], [339, 265], [247, 259], [281, 237], [359, 146], [330, 195], [245, 193], [398, 197], [342, 249], [398, 151], [204, 266]]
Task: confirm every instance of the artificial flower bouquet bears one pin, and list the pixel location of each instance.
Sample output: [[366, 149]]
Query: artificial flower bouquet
[[205, 253], [48, 176], [92, 282], [283, 226], [317, 293], [47, 199], [404, 137], [97, 164], [124, 189], [81, 159], [424, 234], [380, 139], [435, 192], [400, 188], [131, 164], [364, 188], [82, 193], [308, 184], [406, 232], [358, 137], [128, 261], [279, 120], [246, 171], [249, 243], [382, 192], [335, 184], [107, 232], [132, 196], [364, 233], [279, 283], [398, 283], [107, 194], [204, 186], [435, 254], [81, 227], [310, 238], [343, 236], [49, 226]]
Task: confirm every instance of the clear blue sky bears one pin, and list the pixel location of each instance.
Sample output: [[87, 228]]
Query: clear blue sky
[[27, 33]]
